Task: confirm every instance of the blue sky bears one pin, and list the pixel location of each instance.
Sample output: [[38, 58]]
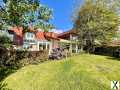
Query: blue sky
[[62, 12]]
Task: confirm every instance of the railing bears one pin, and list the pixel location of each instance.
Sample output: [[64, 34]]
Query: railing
[[30, 41]]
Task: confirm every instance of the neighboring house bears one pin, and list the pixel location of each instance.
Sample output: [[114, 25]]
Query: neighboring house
[[69, 35], [70, 39]]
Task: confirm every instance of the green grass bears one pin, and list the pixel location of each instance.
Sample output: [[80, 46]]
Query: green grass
[[83, 72]]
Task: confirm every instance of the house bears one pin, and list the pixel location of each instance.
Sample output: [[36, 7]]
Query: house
[[70, 39], [39, 40], [36, 40]]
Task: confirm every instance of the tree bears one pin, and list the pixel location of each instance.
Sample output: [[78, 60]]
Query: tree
[[96, 22], [24, 13]]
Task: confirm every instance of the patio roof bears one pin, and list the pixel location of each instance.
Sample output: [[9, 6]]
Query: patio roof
[[65, 41]]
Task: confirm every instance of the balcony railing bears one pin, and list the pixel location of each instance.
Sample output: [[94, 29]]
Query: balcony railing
[[30, 41]]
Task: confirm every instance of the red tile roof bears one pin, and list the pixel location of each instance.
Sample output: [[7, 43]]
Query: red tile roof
[[51, 35], [40, 35], [73, 31], [46, 35], [18, 31], [67, 33]]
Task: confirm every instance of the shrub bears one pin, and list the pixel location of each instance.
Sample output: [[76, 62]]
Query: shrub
[[108, 51], [5, 41], [18, 58], [57, 53], [7, 57], [34, 57], [11, 57], [3, 56], [21, 54]]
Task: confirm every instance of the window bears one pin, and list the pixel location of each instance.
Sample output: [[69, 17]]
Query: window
[[75, 38], [29, 35]]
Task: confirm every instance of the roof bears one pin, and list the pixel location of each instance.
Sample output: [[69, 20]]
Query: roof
[[46, 35], [51, 35], [40, 35], [67, 33], [18, 31], [65, 41]]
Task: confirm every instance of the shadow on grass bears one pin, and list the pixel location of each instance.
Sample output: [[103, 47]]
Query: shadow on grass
[[110, 57], [114, 58]]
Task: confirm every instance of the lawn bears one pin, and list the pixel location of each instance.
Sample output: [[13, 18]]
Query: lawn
[[83, 72]]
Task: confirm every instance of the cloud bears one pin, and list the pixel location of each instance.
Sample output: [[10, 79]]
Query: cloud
[[57, 31]]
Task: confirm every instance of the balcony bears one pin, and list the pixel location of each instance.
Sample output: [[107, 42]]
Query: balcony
[[30, 41]]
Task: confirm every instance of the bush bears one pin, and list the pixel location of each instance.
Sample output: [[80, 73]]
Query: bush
[[5, 41], [17, 58], [20, 54], [3, 56], [7, 57], [108, 51], [57, 53]]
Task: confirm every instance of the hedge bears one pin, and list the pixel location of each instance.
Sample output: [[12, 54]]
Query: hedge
[[13, 57], [108, 51]]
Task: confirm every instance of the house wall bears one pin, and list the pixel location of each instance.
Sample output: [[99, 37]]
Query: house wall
[[33, 47], [30, 47], [35, 41], [30, 42], [29, 36], [55, 44], [18, 35], [73, 38]]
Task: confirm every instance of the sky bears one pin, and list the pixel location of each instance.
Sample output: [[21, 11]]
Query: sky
[[62, 12]]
